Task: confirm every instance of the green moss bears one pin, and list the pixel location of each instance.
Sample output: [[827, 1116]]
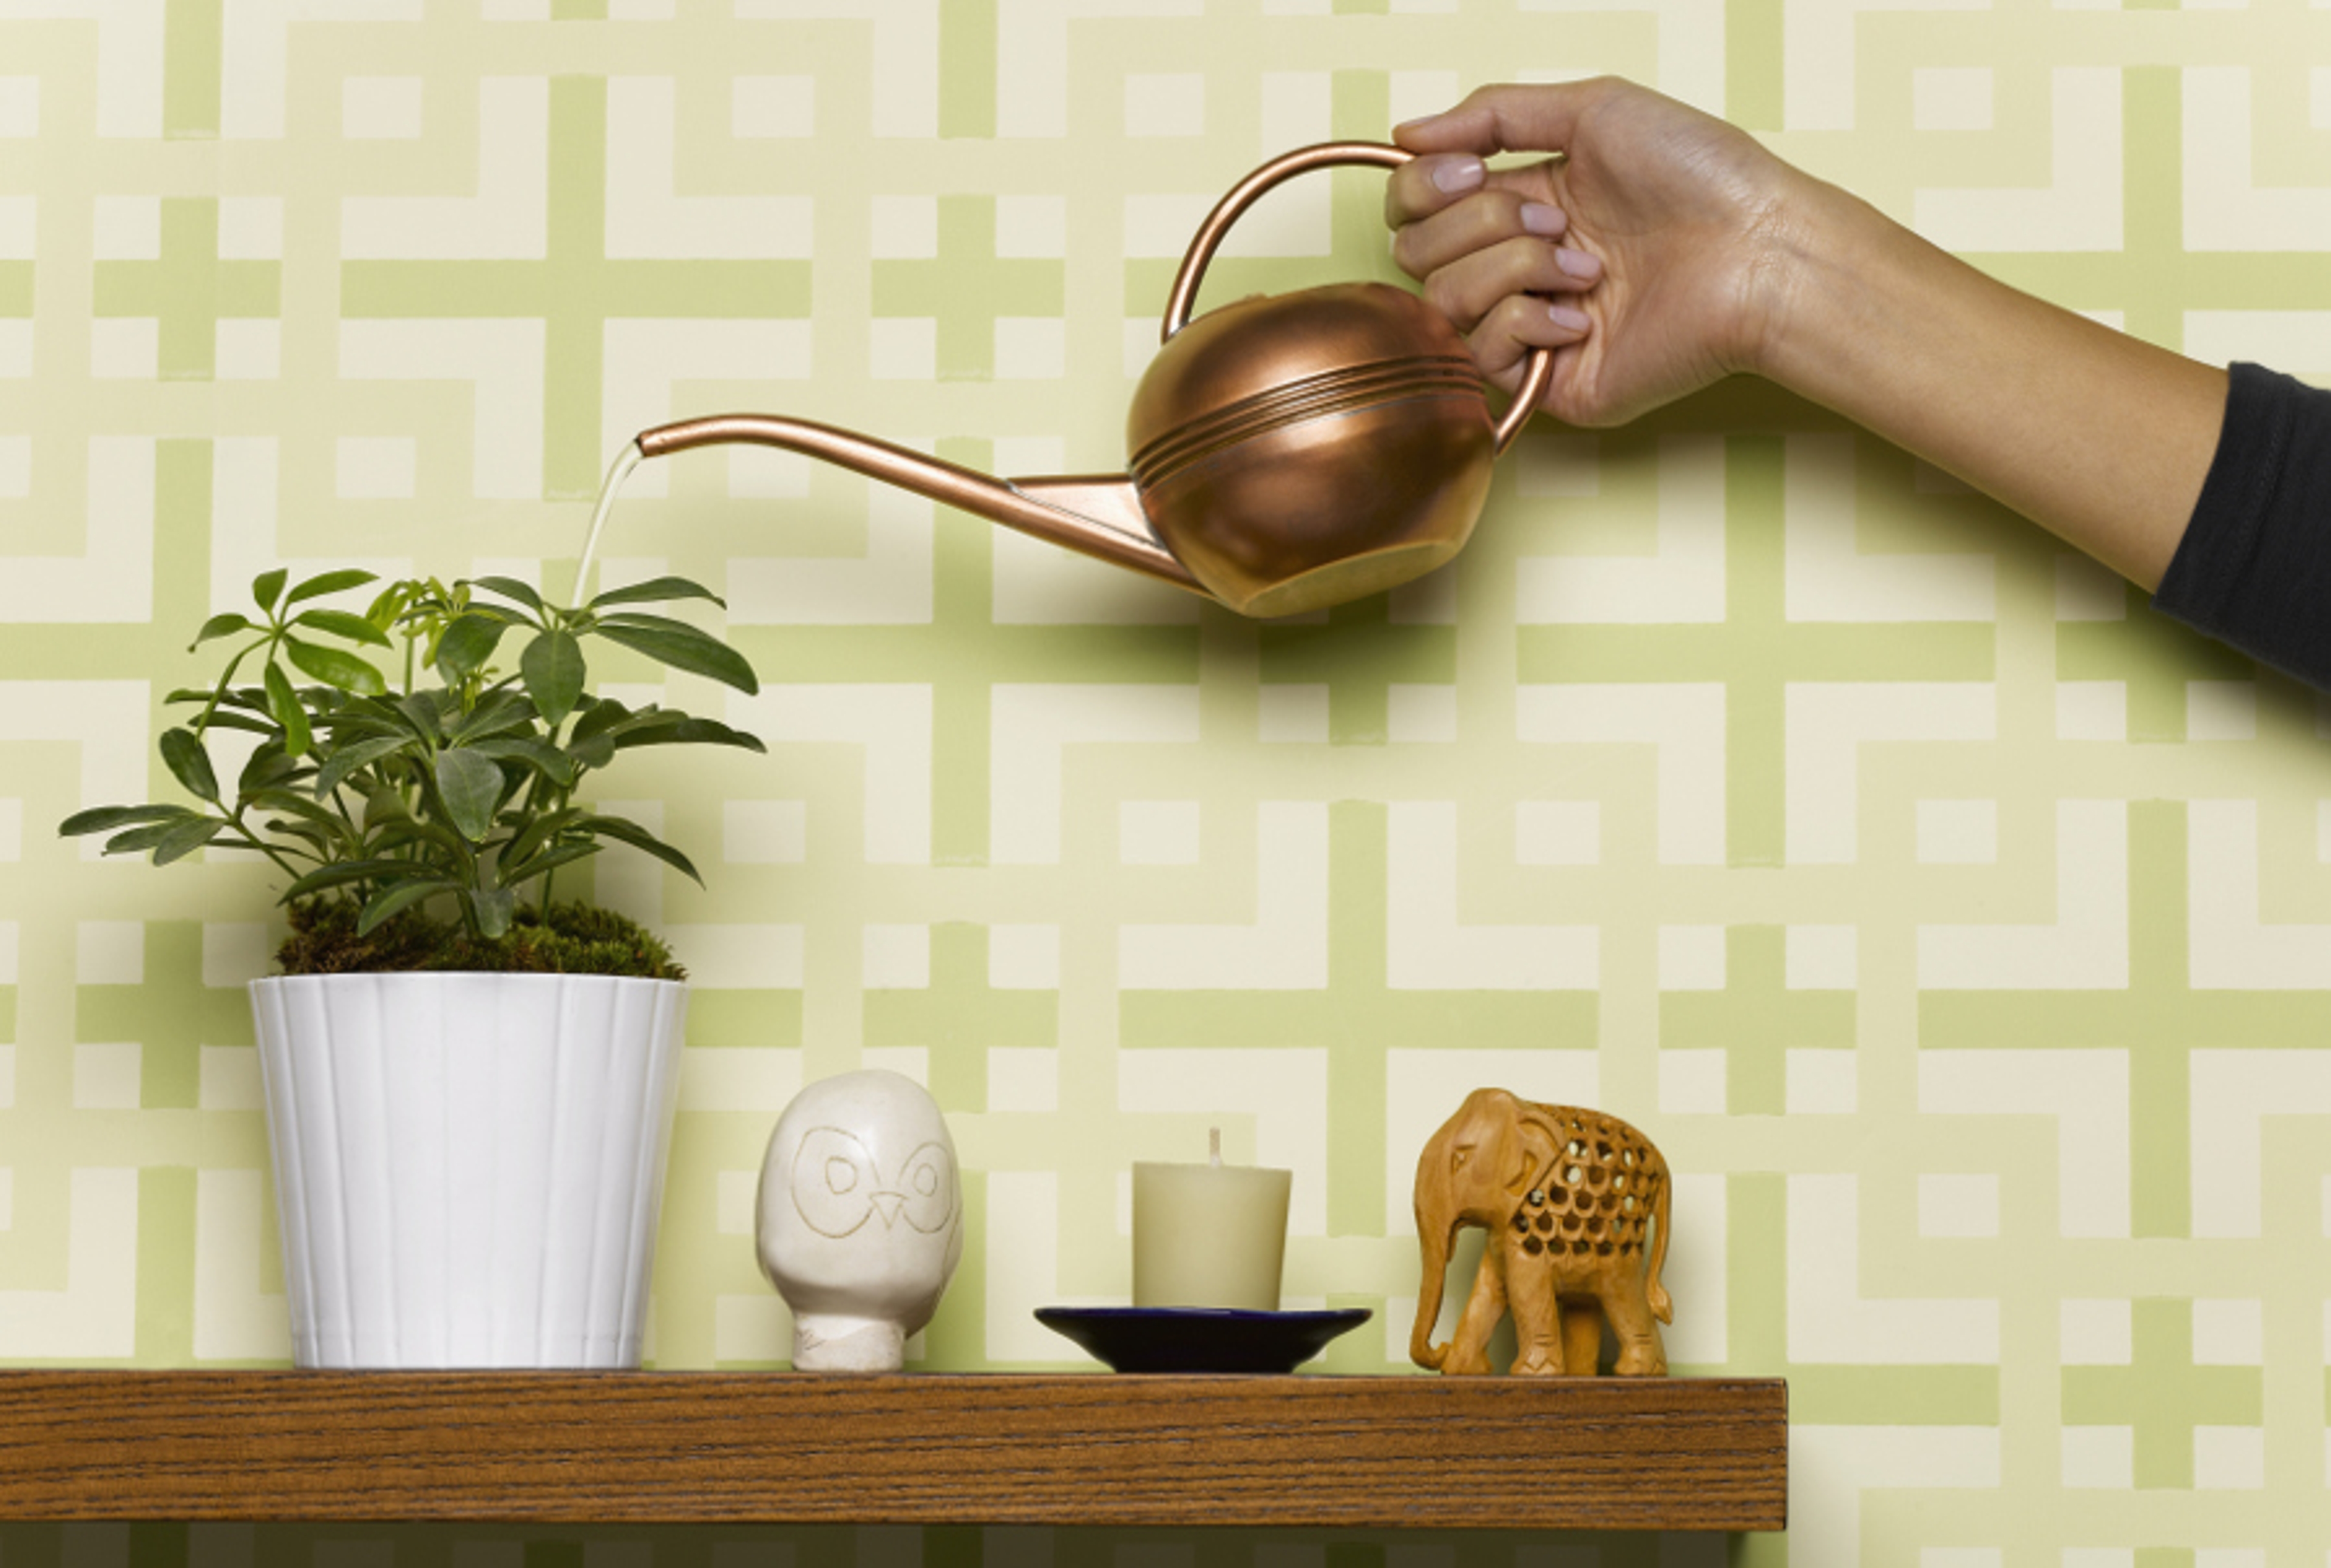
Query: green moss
[[577, 939]]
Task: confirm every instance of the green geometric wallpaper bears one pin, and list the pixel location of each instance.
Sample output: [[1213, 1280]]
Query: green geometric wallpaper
[[1960, 929]]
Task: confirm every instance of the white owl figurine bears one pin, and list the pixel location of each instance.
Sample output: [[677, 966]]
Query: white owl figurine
[[859, 1218]]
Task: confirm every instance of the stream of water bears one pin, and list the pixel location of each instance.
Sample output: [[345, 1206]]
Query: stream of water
[[617, 472]]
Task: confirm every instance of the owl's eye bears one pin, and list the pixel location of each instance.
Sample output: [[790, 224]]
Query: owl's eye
[[831, 1175], [929, 1178]]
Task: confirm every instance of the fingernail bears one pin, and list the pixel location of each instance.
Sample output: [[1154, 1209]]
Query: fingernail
[[1451, 176], [1540, 219], [1567, 319], [1577, 263]]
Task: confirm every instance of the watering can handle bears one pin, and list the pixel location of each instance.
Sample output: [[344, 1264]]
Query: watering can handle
[[1537, 371]]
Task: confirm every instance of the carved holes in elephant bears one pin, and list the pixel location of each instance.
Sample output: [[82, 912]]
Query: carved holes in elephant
[[1598, 1193], [1597, 1198]]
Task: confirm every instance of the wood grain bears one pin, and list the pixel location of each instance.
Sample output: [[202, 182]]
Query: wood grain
[[1364, 1452]]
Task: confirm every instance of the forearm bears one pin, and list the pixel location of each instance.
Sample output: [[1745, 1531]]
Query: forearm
[[2098, 437]]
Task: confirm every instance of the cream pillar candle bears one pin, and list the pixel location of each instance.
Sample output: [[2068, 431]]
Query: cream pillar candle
[[1211, 1235]]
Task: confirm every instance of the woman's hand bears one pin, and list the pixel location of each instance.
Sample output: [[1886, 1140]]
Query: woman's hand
[[1643, 256], [1668, 249]]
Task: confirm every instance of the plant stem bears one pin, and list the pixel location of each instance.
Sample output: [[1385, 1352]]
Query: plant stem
[[218, 693], [253, 840]]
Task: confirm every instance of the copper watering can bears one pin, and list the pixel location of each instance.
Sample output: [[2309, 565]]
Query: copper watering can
[[1289, 452]]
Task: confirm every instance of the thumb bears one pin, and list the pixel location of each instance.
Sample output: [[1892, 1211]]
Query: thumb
[[1511, 117]]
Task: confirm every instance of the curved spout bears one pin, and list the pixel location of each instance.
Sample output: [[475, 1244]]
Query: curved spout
[[1120, 536]]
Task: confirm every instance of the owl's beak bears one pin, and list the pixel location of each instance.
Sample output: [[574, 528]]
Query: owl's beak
[[888, 1205]]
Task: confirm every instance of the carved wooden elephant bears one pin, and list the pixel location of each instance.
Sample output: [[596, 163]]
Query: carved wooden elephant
[[1577, 1206]]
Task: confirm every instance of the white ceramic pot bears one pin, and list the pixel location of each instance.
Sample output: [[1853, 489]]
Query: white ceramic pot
[[468, 1167]]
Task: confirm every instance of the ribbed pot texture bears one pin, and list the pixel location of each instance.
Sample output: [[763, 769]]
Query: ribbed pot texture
[[468, 1167]]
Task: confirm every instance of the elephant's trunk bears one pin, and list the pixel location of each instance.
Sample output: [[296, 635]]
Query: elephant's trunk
[[1437, 1236], [1437, 1233]]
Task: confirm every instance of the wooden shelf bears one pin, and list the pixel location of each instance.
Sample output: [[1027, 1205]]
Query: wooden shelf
[[1362, 1452]]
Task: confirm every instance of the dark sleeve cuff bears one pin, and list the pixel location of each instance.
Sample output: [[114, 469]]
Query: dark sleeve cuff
[[2254, 567]]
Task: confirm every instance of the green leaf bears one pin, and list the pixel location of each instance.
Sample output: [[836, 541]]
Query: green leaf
[[347, 759], [300, 804], [341, 624], [625, 830], [509, 588], [656, 590], [540, 832], [266, 585], [267, 767], [596, 714], [467, 645], [546, 760], [547, 861], [138, 840], [385, 806], [226, 625], [284, 703], [186, 838], [653, 716], [105, 819], [396, 898], [250, 698], [321, 845], [552, 668], [502, 615], [182, 748], [366, 716], [223, 720], [498, 714], [456, 850], [340, 873], [420, 712], [278, 797], [493, 907], [682, 647], [470, 786], [324, 583], [329, 840], [587, 742], [344, 671], [399, 836], [679, 730]]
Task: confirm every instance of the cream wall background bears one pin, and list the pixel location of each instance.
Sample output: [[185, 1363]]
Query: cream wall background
[[1960, 929]]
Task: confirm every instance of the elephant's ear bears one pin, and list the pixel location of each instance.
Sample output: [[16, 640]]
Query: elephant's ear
[[1537, 1146]]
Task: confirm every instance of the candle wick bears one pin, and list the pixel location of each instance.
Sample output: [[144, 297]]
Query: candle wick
[[1214, 1143]]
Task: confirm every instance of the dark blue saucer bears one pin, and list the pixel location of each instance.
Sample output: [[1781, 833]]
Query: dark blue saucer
[[1200, 1338]]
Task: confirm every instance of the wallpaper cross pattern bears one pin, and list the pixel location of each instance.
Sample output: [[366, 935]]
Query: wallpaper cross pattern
[[1960, 929]]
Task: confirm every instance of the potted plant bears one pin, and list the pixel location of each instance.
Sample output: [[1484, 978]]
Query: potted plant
[[469, 1081]]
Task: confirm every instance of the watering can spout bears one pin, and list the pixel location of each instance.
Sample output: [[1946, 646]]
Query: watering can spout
[[1097, 515]]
